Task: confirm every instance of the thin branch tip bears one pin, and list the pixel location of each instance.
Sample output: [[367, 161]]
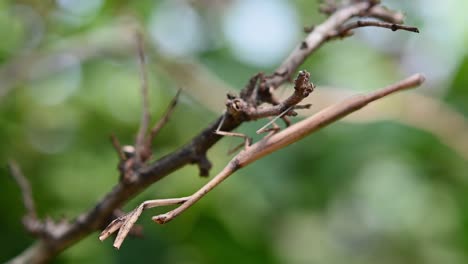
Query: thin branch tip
[[145, 115], [26, 190], [413, 81], [347, 29], [421, 78], [164, 119]]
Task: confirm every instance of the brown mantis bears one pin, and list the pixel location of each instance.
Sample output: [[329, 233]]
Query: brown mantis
[[270, 143]]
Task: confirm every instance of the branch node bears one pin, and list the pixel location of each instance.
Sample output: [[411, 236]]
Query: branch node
[[204, 165]]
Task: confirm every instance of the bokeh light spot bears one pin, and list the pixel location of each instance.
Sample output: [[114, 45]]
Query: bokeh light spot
[[261, 38]]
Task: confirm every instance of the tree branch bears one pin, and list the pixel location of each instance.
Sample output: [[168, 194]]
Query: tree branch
[[118, 148], [140, 145], [25, 188], [321, 33], [370, 23], [194, 152], [165, 118]]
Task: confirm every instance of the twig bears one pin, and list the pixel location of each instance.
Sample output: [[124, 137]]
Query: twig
[[370, 23], [321, 33], [145, 116], [117, 147], [266, 146], [164, 119], [30, 220], [25, 187]]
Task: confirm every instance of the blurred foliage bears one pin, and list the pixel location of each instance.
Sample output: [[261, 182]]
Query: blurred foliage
[[457, 94], [352, 193]]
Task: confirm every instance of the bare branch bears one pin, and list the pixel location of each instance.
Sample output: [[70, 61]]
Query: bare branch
[[25, 187], [164, 119], [321, 33], [370, 23], [30, 220], [145, 116], [117, 147]]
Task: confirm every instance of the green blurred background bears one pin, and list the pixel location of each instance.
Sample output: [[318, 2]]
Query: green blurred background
[[391, 188]]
